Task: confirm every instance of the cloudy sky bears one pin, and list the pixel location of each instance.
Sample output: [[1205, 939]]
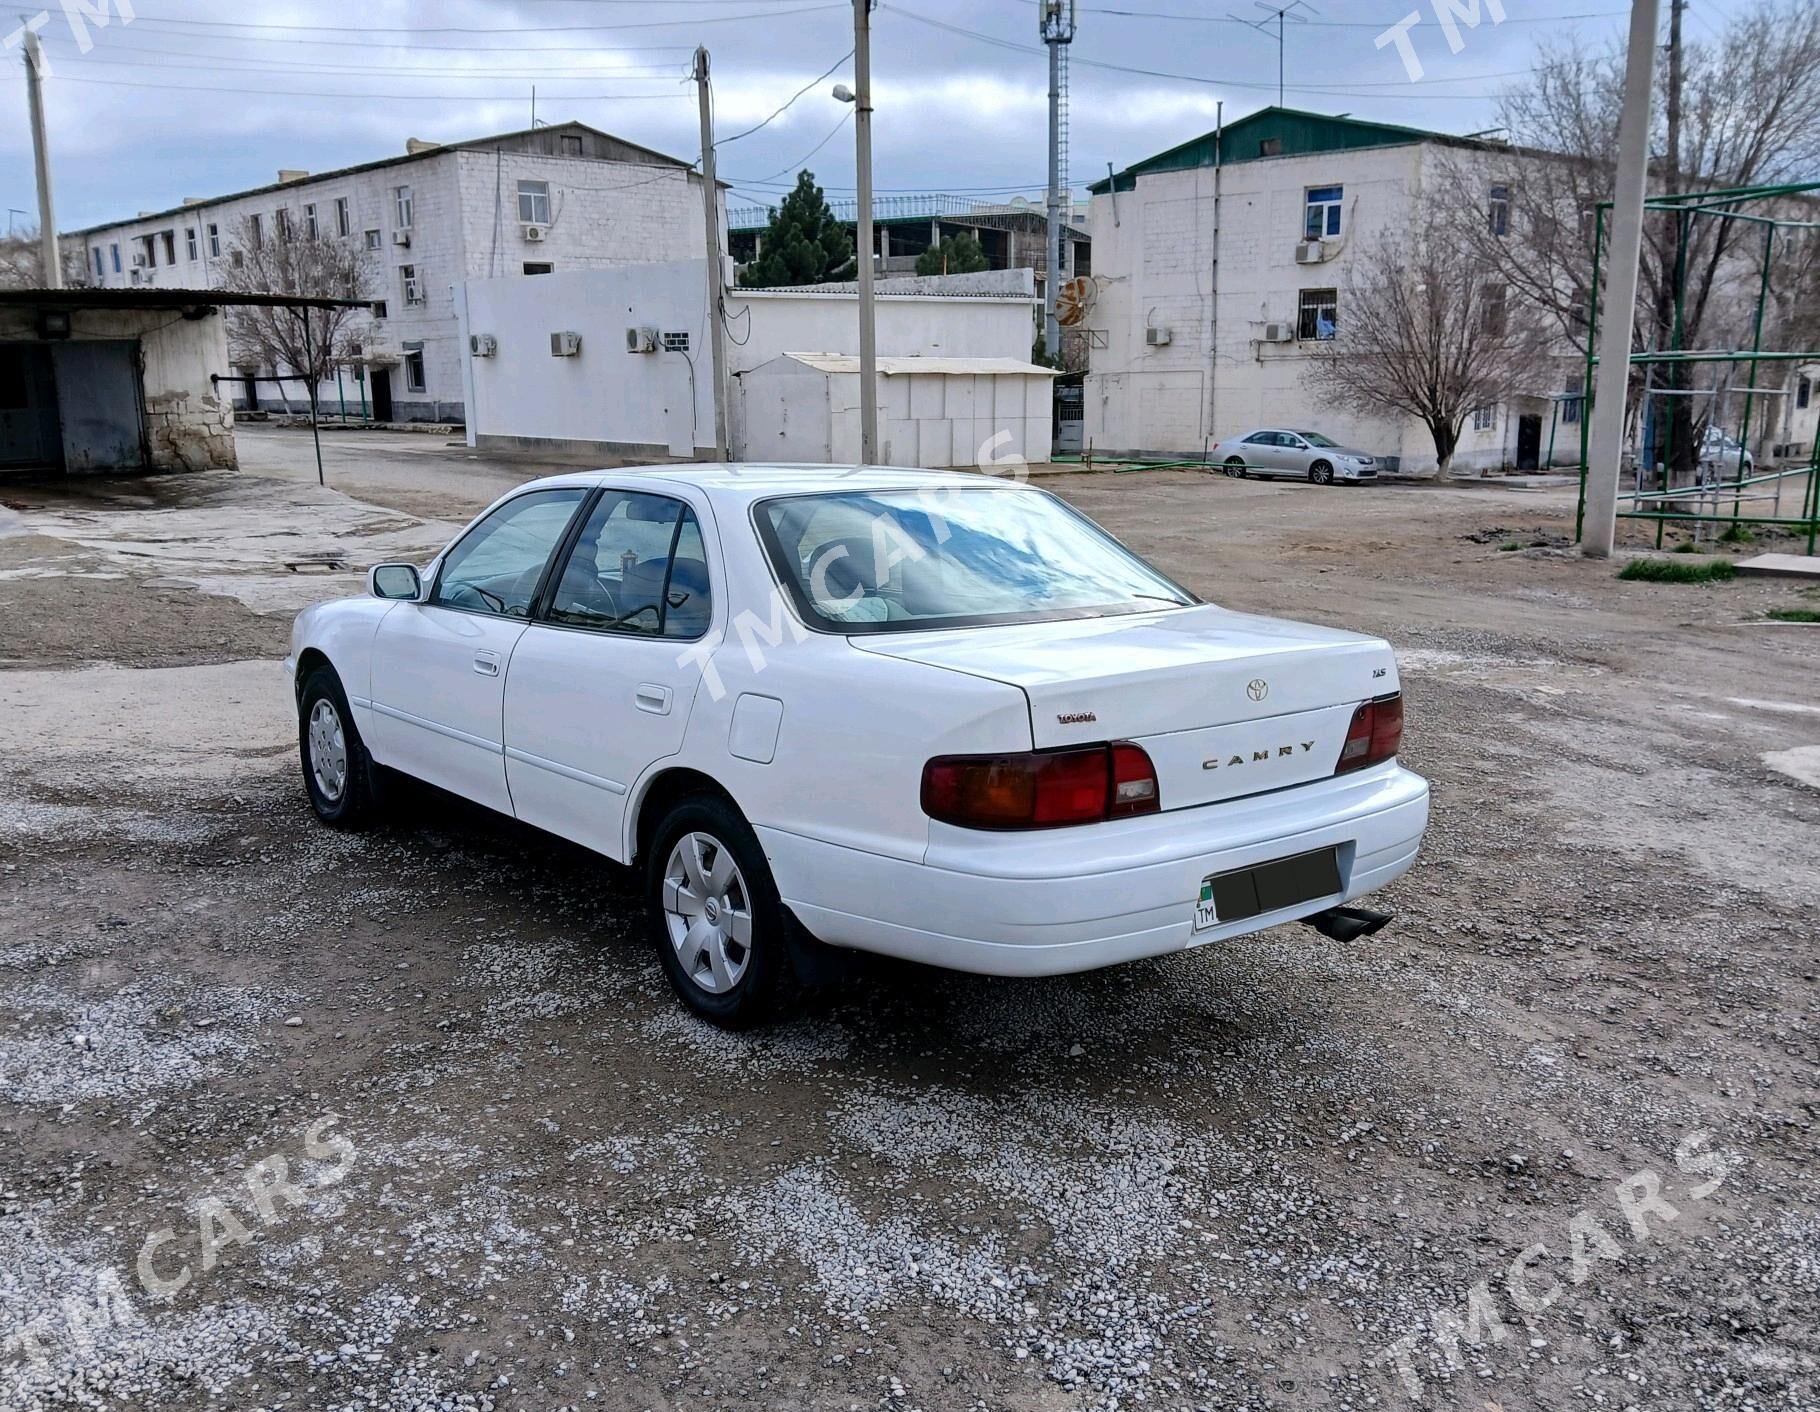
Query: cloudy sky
[[204, 97]]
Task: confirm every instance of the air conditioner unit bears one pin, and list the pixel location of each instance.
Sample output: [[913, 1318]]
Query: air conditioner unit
[[1279, 333], [1310, 252], [1157, 337], [401, 237], [482, 345], [534, 233], [565, 345], [641, 340]]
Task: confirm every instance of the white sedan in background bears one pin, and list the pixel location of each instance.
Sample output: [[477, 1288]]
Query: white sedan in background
[[1306, 455], [938, 716]]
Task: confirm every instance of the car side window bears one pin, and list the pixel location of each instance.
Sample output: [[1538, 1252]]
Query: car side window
[[637, 567], [1262, 438], [496, 566]]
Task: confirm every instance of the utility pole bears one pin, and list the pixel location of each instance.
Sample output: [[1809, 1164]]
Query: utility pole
[[710, 200], [1056, 25], [1605, 445], [862, 142], [41, 152], [1287, 11]]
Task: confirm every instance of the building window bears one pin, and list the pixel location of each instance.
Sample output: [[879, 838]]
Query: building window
[[571, 145], [138, 276], [401, 199], [1570, 411], [413, 291], [114, 256], [169, 238], [310, 228], [1499, 210], [1270, 147], [1485, 418], [101, 268], [189, 243], [379, 308], [1494, 314], [534, 202], [281, 223], [372, 240], [1804, 391], [237, 257], [1322, 219], [342, 222], [539, 267], [413, 367], [1318, 314], [255, 225], [214, 241]]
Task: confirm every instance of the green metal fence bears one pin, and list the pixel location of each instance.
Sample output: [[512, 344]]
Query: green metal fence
[[1718, 495]]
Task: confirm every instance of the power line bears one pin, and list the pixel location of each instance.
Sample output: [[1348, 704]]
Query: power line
[[1376, 25], [635, 74], [793, 97], [405, 97], [798, 163], [345, 30]]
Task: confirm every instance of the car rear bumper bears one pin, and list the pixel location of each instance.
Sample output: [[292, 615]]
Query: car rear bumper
[[1061, 900]]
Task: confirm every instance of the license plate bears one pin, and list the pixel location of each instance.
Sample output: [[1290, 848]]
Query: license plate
[[1267, 887]]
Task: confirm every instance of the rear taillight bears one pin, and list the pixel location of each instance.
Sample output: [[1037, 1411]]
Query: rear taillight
[[1375, 734], [1041, 789]]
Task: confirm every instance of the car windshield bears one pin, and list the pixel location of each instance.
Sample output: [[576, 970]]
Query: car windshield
[[1314, 438], [894, 560]]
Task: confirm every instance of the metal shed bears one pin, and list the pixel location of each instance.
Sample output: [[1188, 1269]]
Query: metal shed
[[933, 412]]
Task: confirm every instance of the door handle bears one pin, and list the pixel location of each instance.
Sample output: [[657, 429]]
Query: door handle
[[653, 698], [486, 663]]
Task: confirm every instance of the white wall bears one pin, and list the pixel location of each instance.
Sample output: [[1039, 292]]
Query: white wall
[[605, 396], [1159, 261]]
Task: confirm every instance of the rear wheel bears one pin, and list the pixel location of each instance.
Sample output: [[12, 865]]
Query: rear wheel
[[722, 932], [336, 769], [1321, 473], [1235, 467]]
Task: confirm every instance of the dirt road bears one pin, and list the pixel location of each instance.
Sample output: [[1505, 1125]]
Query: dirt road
[[409, 1119]]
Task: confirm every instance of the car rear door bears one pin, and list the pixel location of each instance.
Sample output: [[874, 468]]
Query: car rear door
[[602, 682], [439, 665]]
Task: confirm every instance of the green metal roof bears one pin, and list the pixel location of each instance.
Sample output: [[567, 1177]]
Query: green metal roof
[[1275, 132]]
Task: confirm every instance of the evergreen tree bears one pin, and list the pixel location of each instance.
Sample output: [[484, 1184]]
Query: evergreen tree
[[804, 244], [956, 255]]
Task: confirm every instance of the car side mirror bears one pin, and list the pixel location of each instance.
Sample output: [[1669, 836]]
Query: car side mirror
[[395, 581]]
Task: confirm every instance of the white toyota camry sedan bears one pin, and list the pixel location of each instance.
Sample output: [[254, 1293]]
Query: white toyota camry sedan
[[939, 716]]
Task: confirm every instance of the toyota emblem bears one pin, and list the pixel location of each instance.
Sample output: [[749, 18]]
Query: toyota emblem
[[1257, 688]]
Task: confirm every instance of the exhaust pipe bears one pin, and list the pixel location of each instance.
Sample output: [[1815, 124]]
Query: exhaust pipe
[[1347, 923]]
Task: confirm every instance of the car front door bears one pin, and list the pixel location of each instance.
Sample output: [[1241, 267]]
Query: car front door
[[1293, 454], [602, 682], [439, 664]]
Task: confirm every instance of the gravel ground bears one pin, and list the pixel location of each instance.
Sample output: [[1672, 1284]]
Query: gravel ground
[[409, 1120]]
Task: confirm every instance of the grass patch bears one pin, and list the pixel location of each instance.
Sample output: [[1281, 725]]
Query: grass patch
[[1673, 571], [1737, 534], [1687, 546], [1510, 546], [1794, 615]]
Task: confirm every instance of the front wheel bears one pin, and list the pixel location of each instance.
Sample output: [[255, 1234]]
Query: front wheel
[[336, 771], [722, 932], [1321, 473]]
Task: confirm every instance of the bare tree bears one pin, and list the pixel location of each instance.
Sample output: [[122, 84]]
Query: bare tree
[[22, 265], [307, 342], [1745, 116], [1425, 330]]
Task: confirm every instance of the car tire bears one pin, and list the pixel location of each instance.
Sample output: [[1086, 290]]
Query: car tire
[[723, 934], [1321, 473], [337, 771], [1235, 467]]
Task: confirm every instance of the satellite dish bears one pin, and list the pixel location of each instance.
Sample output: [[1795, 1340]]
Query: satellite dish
[[1073, 300]]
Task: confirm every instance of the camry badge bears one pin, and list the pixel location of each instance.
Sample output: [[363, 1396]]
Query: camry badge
[[1256, 756], [1257, 688]]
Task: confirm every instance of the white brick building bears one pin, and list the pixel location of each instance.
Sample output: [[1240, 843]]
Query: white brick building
[[1208, 304], [560, 198]]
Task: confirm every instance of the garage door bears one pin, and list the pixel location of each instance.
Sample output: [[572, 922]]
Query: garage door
[[98, 404], [28, 408]]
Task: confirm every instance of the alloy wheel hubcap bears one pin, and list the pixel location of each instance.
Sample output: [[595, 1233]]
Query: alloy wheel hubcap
[[708, 912], [328, 750]]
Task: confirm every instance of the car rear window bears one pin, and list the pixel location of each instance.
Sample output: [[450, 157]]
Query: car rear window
[[896, 560]]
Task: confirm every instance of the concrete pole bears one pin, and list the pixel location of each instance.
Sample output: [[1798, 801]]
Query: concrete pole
[[1052, 331], [862, 141], [41, 151], [716, 281], [1605, 443]]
